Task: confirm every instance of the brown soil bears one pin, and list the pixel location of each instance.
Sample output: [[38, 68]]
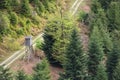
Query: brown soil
[[85, 6], [55, 72], [28, 67], [84, 36], [84, 31]]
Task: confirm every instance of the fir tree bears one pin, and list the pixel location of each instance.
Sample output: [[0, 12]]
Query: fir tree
[[47, 46], [114, 16], [25, 8], [95, 55], [5, 74], [75, 64], [21, 76], [39, 7], [113, 60], [95, 6], [101, 74], [56, 37], [42, 71], [101, 21], [116, 74], [105, 3], [106, 41]]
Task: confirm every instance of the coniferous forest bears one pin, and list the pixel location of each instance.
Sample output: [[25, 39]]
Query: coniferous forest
[[63, 44]]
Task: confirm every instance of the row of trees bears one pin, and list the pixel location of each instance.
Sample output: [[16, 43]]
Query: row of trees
[[102, 58], [23, 6], [78, 64], [104, 16], [41, 72]]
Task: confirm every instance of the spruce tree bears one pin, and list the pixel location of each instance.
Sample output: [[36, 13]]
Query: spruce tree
[[21, 76], [39, 7], [15, 5], [41, 71], [5, 74], [105, 3], [47, 46], [106, 41], [95, 6], [116, 74], [113, 59], [113, 15], [56, 37], [25, 8], [101, 73], [75, 64], [95, 55], [101, 21], [4, 23]]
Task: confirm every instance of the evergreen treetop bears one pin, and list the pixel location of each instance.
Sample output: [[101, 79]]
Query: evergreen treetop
[[75, 64], [42, 71]]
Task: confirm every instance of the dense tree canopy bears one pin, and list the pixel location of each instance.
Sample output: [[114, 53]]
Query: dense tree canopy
[[54, 46], [75, 64]]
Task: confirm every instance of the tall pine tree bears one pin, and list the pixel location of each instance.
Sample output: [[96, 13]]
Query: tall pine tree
[[113, 59], [116, 74], [95, 56], [75, 64], [113, 15]]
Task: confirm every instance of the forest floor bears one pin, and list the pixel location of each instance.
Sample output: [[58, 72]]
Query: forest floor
[[28, 67]]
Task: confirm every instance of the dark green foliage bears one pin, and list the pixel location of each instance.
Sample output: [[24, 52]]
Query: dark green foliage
[[101, 74], [42, 71], [95, 6], [39, 7], [113, 59], [4, 4], [54, 46], [82, 16], [46, 4], [48, 43], [105, 3], [116, 74], [101, 21], [21, 76], [98, 18], [15, 5], [75, 64], [95, 54], [25, 8], [13, 18], [113, 15], [106, 41], [5, 74], [4, 23]]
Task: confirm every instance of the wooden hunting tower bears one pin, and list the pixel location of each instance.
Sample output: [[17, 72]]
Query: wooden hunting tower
[[28, 49]]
